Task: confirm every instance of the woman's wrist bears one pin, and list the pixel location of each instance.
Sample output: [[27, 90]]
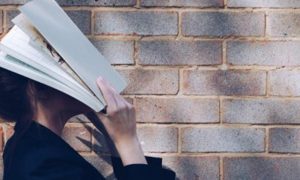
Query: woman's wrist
[[130, 151]]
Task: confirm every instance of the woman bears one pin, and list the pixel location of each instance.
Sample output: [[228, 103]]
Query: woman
[[36, 150]]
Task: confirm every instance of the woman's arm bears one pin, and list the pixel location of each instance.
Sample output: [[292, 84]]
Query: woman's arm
[[120, 125]]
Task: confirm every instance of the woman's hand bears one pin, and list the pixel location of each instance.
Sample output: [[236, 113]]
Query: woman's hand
[[120, 124]]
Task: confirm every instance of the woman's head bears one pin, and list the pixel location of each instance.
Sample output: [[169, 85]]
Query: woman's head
[[19, 97]]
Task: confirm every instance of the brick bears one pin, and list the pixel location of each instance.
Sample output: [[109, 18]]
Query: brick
[[264, 53], [80, 2], [219, 82], [222, 139], [150, 81], [136, 23], [284, 140], [82, 19], [285, 83], [1, 138], [1, 23], [183, 3], [284, 24], [264, 3], [193, 167], [116, 52], [179, 52], [10, 14], [79, 119], [97, 2], [223, 24], [158, 139], [261, 168], [179, 109], [8, 2], [261, 111], [78, 136], [8, 131]]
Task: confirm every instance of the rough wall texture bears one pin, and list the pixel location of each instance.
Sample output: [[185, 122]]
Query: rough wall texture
[[215, 83]]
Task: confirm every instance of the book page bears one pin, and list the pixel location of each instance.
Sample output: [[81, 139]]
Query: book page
[[39, 42], [12, 64], [73, 46], [16, 43]]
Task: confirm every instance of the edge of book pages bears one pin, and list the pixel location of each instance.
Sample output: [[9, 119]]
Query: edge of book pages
[[82, 63]]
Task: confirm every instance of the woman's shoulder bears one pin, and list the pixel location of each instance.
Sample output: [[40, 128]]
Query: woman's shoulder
[[38, 151]]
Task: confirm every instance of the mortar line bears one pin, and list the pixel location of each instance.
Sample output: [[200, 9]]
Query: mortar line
[[221, 168], [221, 110], [267, 139], [265, 30], [138, 4], [4, 23], [268, 84], [225, 4], [179, 140], [179, 35]]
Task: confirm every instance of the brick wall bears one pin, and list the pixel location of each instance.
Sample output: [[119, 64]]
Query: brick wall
[[214, 83]]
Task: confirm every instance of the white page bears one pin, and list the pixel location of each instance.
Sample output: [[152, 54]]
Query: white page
[[16, 66], [61, 32], [16, 43], [38, 42]]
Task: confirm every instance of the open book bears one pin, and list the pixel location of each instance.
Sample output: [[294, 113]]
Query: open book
[[45, 45]]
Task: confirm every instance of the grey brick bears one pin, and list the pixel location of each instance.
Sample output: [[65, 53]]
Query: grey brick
[[136, 22], [80, 2], [193, 167], [158, 139], [269, 53], [184, 3], [261, 168], [211, 82], [285, 83], [222, 139], [188, 110], [10, 14], [284, 140], [82, 19], [116, 52], [264, 3], [150, 81], [78, 136], [1, 23], [261, 111], [8, 2], [179, 53], [284, 24], [97, 2], [223, 24]]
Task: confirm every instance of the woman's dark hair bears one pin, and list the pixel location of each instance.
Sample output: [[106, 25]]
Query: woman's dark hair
[[16, 101], [15, 104]]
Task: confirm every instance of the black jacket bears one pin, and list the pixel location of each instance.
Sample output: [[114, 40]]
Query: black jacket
[[40, 154]]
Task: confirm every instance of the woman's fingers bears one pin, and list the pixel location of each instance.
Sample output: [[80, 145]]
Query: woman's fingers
[[108, 94]]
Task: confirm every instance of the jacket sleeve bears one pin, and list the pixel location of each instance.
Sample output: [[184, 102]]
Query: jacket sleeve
[[150, 171]]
